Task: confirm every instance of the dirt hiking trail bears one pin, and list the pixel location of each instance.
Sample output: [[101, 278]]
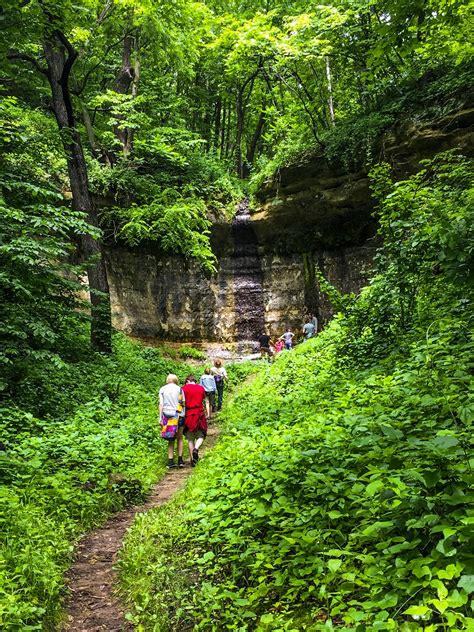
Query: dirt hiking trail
[[92, 605]]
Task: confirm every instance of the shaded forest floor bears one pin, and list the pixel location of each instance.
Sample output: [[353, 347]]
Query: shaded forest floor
[[92, 605]]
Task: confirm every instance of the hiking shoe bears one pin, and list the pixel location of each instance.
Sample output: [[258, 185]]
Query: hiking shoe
[[180, 461], [195, 456], [171, 464]]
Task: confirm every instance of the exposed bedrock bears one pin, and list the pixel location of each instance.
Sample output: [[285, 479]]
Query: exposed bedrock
[[315, 213], [168, 298]]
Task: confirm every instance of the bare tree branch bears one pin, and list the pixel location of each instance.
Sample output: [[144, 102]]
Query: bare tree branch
[[12, 55], [106, 11]]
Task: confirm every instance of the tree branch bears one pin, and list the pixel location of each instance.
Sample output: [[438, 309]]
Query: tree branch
[[80, 89], [71, 55], [12, 55], [105, 11]]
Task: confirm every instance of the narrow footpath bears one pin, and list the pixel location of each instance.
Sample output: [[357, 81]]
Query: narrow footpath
[[92, 605]]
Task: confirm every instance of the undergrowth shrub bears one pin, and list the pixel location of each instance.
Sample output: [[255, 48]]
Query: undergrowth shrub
[[191, 352], [339, 496], [79, 441]]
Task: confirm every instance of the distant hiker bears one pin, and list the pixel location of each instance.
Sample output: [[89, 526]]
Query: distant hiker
[[208, 382], [288, 338], [308, 330], [195, 423], [314, 320], [279, 345], [220, 375], [265, 341], [171, 407]]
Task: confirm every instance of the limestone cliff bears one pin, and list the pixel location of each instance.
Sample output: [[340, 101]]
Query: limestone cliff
[[313, 213]]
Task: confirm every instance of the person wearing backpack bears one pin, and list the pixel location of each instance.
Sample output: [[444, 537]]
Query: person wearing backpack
[[220, 376], [208, 382], [171, 411]]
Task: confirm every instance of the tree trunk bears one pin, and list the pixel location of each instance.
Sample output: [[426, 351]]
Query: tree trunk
[[125, 79], [330, 101], [90, 130], [223, 130], [255, 140], [227, 132], [217, 122], [59, 67], [238, 135], [240, 111], [128, 147]]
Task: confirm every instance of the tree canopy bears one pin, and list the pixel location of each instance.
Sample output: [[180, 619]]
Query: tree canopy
[[143, 122], [148, 118]]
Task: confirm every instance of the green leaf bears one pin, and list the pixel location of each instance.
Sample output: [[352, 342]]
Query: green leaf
[[334, 564], [467, 583], [445, 441], [374, 487], [418, 611]]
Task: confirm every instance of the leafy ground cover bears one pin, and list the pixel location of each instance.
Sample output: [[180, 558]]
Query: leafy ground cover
[[339, 496], [79, 441]]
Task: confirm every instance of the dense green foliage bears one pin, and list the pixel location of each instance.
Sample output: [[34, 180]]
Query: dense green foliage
[[339, 496], [37, 292], [79, 440], [174, 98], [173, 103]]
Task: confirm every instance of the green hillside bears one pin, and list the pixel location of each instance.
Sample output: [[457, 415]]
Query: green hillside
[[339, 496]]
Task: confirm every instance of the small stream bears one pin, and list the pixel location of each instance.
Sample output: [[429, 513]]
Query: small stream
[[247, 280]]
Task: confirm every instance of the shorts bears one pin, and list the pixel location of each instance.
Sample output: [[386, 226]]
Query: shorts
[[266, 350], [211, 398], [195, 434], [180, 422]]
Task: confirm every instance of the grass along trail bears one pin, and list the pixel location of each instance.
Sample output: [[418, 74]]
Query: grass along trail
[[92, 605]]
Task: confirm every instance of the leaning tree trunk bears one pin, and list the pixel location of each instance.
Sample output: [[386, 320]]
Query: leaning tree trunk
[[255, 140], [239, 131], [128, 76], [330, 99], [60, 57]]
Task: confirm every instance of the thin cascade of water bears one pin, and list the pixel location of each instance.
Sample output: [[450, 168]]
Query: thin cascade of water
[[247, 278]]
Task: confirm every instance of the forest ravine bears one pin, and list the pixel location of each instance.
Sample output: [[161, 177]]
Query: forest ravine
[[92, 604], [339, 496]]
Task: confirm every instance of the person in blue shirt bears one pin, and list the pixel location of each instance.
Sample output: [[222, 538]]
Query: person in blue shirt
[[220, 375], [309, 330], [209, 383]]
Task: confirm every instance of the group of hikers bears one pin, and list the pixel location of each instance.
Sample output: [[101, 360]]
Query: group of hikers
[[186, 410], [268, 347]]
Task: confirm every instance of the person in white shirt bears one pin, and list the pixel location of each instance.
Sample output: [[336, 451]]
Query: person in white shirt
[[288, 338], [171, 404]]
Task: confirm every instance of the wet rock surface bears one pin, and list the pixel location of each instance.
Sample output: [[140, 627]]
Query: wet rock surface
[[166, 298], [246, 277], [317, 213]]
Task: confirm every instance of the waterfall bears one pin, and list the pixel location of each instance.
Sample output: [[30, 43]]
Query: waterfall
[[247, 279]]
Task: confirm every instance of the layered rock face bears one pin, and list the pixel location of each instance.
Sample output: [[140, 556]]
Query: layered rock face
[[168, 298], [316, 213]]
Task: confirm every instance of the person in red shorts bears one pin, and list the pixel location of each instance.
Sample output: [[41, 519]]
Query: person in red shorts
[[195, 422]]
